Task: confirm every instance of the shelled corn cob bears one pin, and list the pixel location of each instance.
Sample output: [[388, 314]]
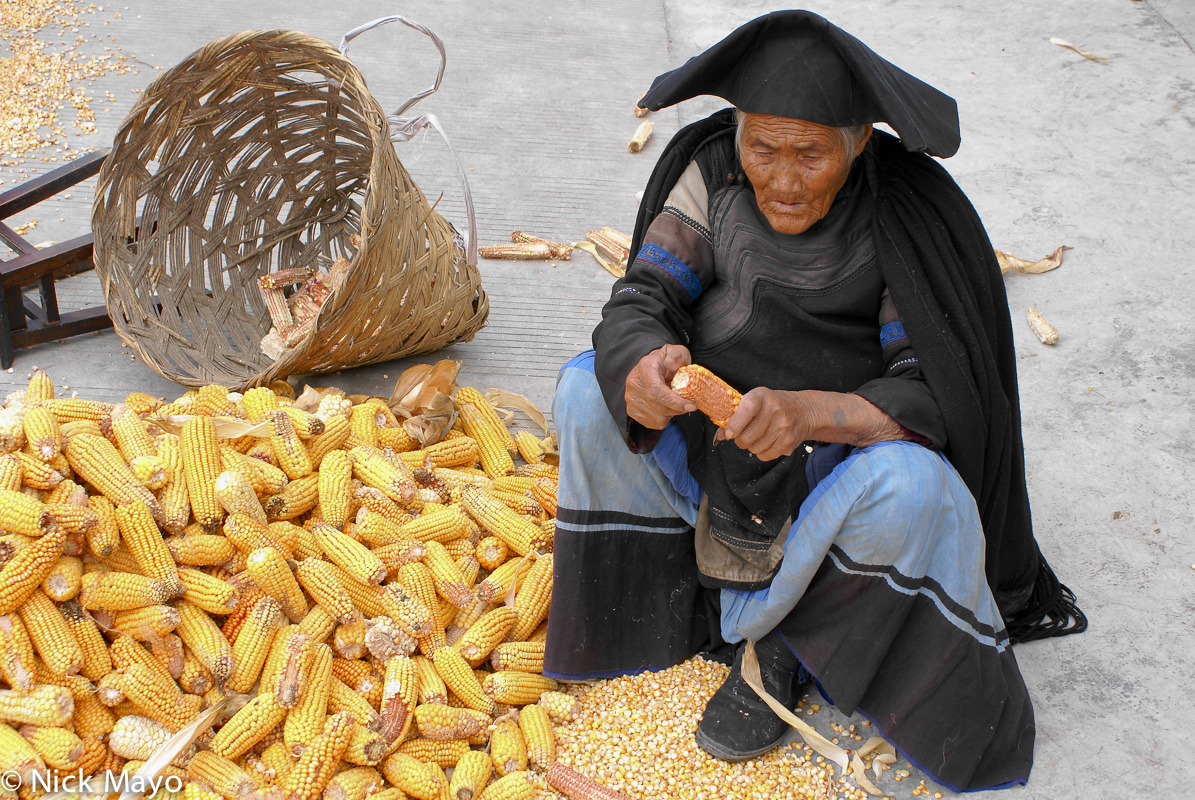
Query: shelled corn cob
[[332, 588], [294, 315]]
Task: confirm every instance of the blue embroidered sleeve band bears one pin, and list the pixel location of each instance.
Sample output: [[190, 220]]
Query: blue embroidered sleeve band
[[892, 333], [661, 258]]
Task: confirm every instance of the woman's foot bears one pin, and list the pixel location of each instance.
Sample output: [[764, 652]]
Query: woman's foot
[[737, 724]]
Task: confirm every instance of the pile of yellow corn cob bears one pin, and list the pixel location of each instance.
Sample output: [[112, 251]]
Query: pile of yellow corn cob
[[371, 612]]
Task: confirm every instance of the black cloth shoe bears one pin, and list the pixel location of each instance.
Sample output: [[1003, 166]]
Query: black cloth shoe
[[737, 724]]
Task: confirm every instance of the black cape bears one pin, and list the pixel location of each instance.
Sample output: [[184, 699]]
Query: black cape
[[940, 268]]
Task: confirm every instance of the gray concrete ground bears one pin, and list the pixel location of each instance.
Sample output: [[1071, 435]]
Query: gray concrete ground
[[1056, 150]]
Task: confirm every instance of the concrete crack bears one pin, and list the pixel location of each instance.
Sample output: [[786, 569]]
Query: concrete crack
[[1170, 25]]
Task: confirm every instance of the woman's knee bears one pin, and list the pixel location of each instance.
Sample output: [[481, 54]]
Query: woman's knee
[[913, 475], [578, 409]]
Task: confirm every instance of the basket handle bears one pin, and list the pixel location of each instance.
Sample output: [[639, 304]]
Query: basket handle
[[403, 129]]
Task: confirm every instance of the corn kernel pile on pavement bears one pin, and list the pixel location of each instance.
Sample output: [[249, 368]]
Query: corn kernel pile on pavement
[[636, 733]]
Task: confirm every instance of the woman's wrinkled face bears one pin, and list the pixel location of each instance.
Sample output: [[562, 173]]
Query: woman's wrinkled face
[[796, 167]]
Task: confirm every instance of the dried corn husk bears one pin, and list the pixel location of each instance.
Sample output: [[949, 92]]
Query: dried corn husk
[[1013, 264], [1064, 44], [309, 400], [432, 425], [226, 427], [419, 385], [859, 773], [819, 743], [501, 399], [614, 268]]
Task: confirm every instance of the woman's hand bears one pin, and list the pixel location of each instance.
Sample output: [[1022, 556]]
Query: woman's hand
[[769, 423], [772, 423], [649, 396]]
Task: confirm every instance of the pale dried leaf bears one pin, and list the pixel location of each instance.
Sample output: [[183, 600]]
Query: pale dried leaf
[[433, 424], [419, 385], [309, 400], [551, 453], [501, 398], [1063, 43], [1009, 263], [514, 583], [168, 752], [859, 773], [617, 270], [815, 740], [881, 762], [226, 427], [408, 382], [872, 744]]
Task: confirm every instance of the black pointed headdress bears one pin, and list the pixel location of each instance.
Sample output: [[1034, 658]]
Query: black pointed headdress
[[797, 64]]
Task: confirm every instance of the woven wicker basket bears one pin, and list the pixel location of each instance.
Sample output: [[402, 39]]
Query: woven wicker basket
[[259, 152]]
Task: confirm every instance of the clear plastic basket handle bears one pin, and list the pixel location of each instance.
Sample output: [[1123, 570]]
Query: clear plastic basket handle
[[403, 128]]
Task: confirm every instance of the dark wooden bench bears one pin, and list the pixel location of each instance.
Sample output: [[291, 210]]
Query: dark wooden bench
[[27, 322]]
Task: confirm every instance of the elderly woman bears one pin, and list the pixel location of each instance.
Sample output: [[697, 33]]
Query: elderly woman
[[862, 517]]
